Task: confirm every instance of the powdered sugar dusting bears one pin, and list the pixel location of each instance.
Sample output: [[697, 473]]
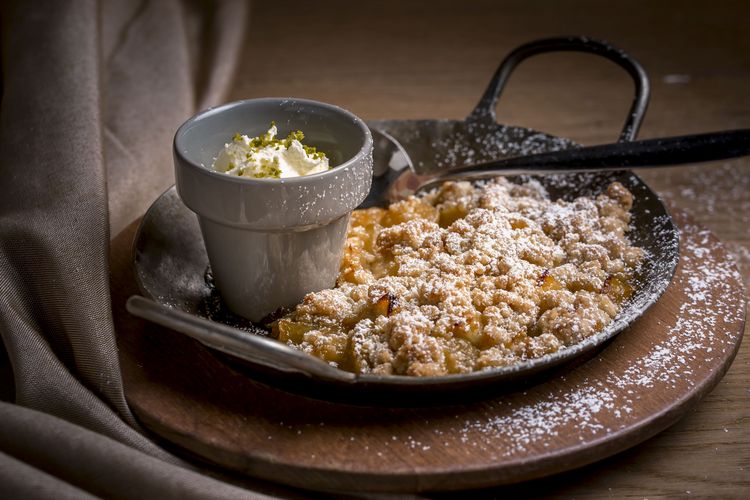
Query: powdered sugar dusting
[[716, 195], [469, 278], [436, 144], [578, 409], [694, 335]]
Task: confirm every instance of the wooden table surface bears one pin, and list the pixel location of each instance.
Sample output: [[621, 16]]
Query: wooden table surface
[[433, 60]]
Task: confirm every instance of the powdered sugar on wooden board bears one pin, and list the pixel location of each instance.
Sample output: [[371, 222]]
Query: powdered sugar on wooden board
[[713, 195]]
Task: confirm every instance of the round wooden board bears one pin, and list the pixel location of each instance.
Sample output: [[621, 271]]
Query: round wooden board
[[641, 383]]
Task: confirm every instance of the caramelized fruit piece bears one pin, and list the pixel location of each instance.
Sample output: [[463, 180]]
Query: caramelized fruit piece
[[385, 305], [450, 213], [368, 217], [617, 289], [287, 330], [329, 344], [409, 209], [547, 282]]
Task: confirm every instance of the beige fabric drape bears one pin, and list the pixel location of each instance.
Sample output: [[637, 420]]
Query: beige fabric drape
[[92, 93]]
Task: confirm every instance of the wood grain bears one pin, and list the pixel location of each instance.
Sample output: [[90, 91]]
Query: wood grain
[[433, 59]]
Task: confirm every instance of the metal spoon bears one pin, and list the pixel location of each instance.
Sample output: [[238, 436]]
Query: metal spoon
[[660, 152], [389, 161]]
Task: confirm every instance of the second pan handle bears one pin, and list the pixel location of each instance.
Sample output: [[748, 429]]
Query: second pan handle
[[485, 109]]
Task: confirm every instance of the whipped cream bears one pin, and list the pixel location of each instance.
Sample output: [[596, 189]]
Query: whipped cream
[[266, 156]]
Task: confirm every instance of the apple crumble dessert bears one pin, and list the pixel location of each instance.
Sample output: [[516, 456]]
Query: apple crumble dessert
[[470, 277]]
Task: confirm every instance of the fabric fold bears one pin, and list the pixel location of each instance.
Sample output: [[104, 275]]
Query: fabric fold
[[92, 93], [103, 467], [55, 314]]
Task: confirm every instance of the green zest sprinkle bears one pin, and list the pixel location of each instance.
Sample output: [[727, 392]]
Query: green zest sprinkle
[[271, 168], [268, 168], [265, 141], [297, 135], [313, 152]]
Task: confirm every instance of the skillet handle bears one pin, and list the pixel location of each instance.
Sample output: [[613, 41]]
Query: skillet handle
[[485, 109]]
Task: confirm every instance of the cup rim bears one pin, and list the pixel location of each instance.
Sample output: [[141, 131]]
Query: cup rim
[[178, 138]]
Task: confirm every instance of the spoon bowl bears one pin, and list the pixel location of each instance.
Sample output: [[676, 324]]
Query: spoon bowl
[[390, 160]]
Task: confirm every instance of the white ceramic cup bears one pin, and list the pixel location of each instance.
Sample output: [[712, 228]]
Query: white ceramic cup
[[271, 241]]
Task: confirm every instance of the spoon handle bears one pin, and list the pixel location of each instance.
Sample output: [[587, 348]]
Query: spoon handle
[[253, 348], [666, 151]]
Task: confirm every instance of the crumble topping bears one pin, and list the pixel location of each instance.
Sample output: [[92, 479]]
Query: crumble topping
[[469, 277]]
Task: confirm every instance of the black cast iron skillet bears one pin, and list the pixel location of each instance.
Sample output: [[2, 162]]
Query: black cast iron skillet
[[171, 264]]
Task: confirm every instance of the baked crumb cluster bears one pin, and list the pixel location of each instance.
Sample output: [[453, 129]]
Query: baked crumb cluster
[[469, 277]]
